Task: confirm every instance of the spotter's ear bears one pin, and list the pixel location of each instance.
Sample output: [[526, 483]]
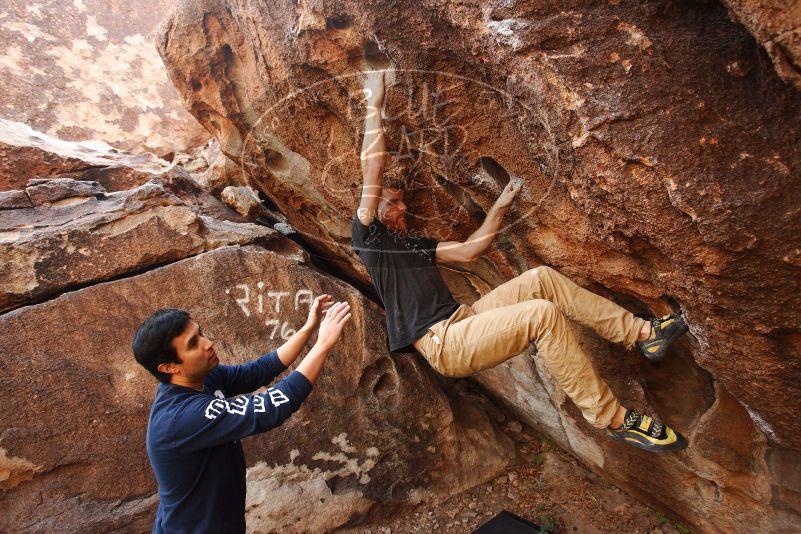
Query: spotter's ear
[[169, 368]]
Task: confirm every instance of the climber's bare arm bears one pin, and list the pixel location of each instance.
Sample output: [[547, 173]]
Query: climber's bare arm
[[477, 243], [374, 155]]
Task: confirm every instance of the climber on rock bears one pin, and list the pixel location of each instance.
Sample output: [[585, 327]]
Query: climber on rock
[[458, 340], [201, 411]]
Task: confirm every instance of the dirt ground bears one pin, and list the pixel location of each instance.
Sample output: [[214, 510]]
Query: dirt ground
[[546, 486]]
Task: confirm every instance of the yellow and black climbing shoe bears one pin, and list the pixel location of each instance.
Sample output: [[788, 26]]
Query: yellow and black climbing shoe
[[664, 331], [647, 433]]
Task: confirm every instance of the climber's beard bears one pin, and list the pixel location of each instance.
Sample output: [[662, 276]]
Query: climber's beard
[[396, 223], [392, 209]]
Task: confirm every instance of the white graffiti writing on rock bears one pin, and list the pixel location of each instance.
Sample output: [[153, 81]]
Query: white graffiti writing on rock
[[261, 301]]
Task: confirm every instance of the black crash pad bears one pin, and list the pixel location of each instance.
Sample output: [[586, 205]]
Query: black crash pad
[[508, 523]]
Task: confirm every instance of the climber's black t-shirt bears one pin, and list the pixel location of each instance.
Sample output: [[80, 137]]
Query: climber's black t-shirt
[[404, 272]]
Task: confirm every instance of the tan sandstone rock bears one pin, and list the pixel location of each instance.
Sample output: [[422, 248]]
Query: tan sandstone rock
[[27, 154], [75, 234], [87, 69], [659, 157]]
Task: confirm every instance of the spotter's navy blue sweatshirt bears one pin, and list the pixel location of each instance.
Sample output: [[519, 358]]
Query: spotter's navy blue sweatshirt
[[193, 442]]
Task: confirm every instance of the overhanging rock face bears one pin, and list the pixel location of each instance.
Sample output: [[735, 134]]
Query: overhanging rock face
[[376, 429], [659, 153]]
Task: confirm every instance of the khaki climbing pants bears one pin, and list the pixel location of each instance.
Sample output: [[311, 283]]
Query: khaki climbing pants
[[534, 308]]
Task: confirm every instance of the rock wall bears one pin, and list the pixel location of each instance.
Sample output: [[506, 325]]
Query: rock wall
[[88, 70], [658, 148], [81, 267], [65, 234], [27, 154]]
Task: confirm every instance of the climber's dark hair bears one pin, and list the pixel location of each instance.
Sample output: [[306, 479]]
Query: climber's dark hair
[[400, 174], [396, 184], [152, 342]]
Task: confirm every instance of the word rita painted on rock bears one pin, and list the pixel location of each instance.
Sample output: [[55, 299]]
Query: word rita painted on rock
[[271, 303]]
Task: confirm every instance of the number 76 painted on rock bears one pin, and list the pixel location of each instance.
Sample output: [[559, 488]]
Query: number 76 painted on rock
[[271, 302]]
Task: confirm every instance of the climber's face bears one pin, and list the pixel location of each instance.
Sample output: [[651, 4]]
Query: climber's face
[[392, 209]]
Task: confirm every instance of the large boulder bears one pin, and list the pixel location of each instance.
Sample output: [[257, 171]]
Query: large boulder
[[28, 154], [87, 70], [658, 151], [363, 445], [377, 431], [72, 234]]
